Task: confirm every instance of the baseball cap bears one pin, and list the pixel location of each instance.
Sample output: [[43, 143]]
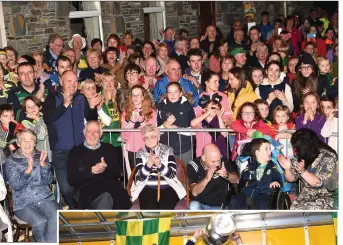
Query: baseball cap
[[238, 51]]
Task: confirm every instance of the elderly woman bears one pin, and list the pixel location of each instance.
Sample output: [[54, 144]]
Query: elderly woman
[[314, 164], [78, 43], [156, 184], [94, 68], [29, 176]]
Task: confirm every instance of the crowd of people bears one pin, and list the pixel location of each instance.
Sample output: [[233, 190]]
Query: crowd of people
[[275, 86]]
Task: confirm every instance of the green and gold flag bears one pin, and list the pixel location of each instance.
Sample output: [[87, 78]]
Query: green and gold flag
[[143, 232]]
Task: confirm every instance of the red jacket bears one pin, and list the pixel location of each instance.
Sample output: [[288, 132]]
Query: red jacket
[[241, 129], [320, 43]]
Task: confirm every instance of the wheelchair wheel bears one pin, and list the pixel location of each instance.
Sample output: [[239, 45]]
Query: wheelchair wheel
[[283, 201]]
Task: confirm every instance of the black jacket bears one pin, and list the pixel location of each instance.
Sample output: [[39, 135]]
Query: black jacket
[[184, 114]]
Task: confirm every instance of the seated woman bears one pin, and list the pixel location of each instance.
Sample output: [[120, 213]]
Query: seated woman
[[138, 112], [314, 163], [211, 118], [29, 176], [156, 184]]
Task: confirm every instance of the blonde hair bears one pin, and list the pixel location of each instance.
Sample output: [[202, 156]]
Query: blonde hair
[[321, 59], [281, 108], [86, 83], [93, 51]]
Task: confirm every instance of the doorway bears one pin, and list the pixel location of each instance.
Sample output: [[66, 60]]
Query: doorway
[[207, 15]]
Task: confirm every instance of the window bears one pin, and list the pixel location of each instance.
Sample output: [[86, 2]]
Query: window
[[86, 20], [154, 19], [3, 41]]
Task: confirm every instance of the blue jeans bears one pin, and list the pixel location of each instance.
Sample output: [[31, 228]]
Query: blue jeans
[[43, 218], [60, 163], [195, 205]]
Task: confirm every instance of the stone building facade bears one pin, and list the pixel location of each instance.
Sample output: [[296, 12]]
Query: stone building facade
[[28, 24]]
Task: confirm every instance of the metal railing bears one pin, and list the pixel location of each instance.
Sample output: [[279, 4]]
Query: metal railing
[[192, 132]]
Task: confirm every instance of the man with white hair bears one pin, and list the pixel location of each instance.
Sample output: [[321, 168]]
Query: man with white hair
[[94, 171], [173, 74], [180, 52]]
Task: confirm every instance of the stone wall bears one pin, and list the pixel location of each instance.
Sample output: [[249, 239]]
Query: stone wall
[[28, 24], [118, 17], [183, 15]]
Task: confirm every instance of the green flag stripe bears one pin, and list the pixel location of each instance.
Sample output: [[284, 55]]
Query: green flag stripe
[[121, 227], [150, 226], [163, 238], [133, 240]]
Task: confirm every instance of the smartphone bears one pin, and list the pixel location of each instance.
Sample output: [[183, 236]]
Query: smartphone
[[311, 35], [279, 30]]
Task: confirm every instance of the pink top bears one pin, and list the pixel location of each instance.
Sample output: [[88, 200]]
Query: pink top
[[134, 140], [224, 103]]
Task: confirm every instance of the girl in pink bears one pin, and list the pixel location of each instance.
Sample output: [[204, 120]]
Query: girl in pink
[[211, 118], [210, 83], [137, 113]]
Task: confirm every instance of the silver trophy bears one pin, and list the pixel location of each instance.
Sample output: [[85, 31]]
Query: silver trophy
[[219, 230]]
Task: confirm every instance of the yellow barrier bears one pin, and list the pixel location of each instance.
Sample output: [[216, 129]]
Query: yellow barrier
[[318, 235]]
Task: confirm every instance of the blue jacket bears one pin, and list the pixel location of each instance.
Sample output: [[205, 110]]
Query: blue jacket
[[161, 85], [265, 29], [252, 186], [65, 125], [28, 189]]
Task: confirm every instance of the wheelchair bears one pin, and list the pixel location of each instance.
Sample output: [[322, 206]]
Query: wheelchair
[[279, 198]]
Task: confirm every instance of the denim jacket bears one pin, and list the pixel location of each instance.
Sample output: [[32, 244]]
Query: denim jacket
[[28, 189]]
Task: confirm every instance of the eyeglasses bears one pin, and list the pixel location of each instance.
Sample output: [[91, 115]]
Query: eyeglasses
[[248, 113], [153, 137], [25, 73], [305, 67], [131, 73]]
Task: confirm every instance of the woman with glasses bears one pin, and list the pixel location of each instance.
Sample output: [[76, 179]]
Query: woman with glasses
[[274, 90], [156, 185], [307, 80], [131, 74], [137, 113]]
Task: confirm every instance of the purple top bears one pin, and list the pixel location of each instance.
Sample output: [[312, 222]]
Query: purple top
[[316, 124]]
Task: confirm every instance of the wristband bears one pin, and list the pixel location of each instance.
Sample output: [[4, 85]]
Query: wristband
[[193, 239]]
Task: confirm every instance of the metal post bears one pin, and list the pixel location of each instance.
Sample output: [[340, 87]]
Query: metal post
[[285, 8]]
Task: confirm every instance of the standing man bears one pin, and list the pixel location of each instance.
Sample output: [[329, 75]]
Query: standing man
[[64, 112], [211, 41], [53, 50]]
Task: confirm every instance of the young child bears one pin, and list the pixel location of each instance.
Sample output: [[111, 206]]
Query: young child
[[326, 76], [310, 114], [248, 122], [257, 178], [331, 125], [8, 131], [283, 50], [33, 120], [281, 121], [263, 109]]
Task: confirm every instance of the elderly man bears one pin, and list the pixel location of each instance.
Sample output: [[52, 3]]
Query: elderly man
[[53, 50], [208, 177], [64, 113], [211, 41], [261, 57], [94, 171], [180, 52], [238, 39], [240, 56], [173, 74]]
